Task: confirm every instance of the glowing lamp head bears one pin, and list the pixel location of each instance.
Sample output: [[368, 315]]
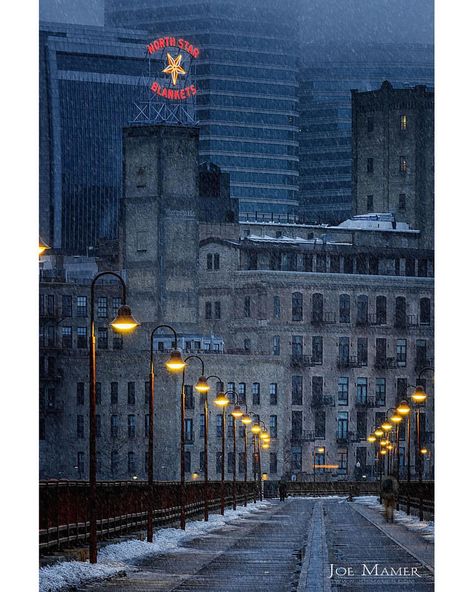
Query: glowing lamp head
[[371, 439], [246, 419], [124, 321], [424, 451], [419, 396], [403, 408], [255, 429], [175, 363], [195, 476], [221, 400], [383, 451], [265, 445], [378, 432], [264, 476], [389, 446], [383, 442], [396, 418], [237, 412], [42, 247], [202, 385], [386, 426], [265, 436], [321, 450]]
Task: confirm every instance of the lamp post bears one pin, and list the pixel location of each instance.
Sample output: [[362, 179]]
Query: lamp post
[[201, 387], [246, 420], [396, 419], [174, 364], [222, 401], [123, 323], [236, 413], [256, 429], [419, 397], [404, 410]]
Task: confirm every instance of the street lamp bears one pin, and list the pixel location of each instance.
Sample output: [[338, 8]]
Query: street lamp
[[419, 397], [173, 364], [404, 410], [222, 401], [396, 419], [256, 429], [123, 323], [42, 247], [246, 420], [202, 387]]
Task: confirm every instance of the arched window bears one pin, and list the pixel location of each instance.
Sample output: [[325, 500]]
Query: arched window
[[297, 306], [344, 308], [381, 310], [317, 311], [425, 311], [362, 309], [400, 311]]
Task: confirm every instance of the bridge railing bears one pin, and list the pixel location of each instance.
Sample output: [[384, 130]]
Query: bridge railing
[[121, 507]]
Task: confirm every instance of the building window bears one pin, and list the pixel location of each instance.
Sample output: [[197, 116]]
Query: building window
[[247, 345], [425, 311], [361, 425], [208, 310], [66, 337], [380, 392], [103, 338], [297, 306], [400, 312], [342, 425], [131, 424], [114, 463], [380, 352], [370, 124], [242, 392], [273, 393], [320, 263], [67, 306], [402, 386], [422, 267], [320, 424], [80, 426], [81, 306], [296, 424], [361, 390], [188, 430], [343, 391], [296, 346], [297, 390], [113, 393], [362, 309], [147, 425], [217, 261], [51, 307], [316, 390], [230, 462], [342, 454], [217, 310], [116, 304], [209, 260], [276, 307], [273, 463], [219, 425], [131, 393], [317, 308], [117, 341], [247, 308], [402, 202], [401, 352], [381, 310], [256, 393], [80, 393], [98, 393], [410, 266], [187, 461], [273, 426], [403, 121], [80, 464], [403, 165], [344, 308], [188, 396], [334, 264], [296, 458], [344, 351], [81, 337], [276, 345], [421, 360], [102, 312], [202, 425], [307, 263], [362, 351], [370, 165], [317, 349], [114, 426], [98, 426], [131, 464], [370, 203]]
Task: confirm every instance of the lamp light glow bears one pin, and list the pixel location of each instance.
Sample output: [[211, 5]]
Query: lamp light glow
[[403, 408], [175, 362], [386, 426], [246, 419], [237, 412], [202, 385], [378, 432], [255, 429], [124, 321], [419, 396], [221, 400]]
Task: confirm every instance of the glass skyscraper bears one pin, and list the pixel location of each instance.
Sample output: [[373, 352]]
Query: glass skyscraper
[[327, 73], [89, 78], [247, 89]]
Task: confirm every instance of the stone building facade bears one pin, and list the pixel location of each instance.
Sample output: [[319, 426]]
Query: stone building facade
[[321, 330], [393, 155]]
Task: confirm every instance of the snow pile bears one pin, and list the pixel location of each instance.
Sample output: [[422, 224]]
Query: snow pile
[[424, 527], [116, 558]]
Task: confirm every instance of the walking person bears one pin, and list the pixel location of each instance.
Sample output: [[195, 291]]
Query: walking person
[[282, 490], [389, 495]]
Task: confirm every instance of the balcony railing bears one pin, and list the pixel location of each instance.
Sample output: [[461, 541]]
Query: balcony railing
[[326, 318], [350, 362], [306, 436], [322, 401], [422, 362], [382, 363], [366, 402], [301, 361]]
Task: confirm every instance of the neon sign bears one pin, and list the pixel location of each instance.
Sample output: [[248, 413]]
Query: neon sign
[[177, 56]]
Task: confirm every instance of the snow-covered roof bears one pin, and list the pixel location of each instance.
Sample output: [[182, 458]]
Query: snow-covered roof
[[383, 221]]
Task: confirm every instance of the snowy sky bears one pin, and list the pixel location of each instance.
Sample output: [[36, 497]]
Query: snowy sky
[[392, 21]]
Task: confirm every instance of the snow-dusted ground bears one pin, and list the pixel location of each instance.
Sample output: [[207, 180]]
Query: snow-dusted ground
[[115, 558], [425, 528]]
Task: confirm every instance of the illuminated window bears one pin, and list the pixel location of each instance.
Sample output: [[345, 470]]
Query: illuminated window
[[403, 165], [403, 121]]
